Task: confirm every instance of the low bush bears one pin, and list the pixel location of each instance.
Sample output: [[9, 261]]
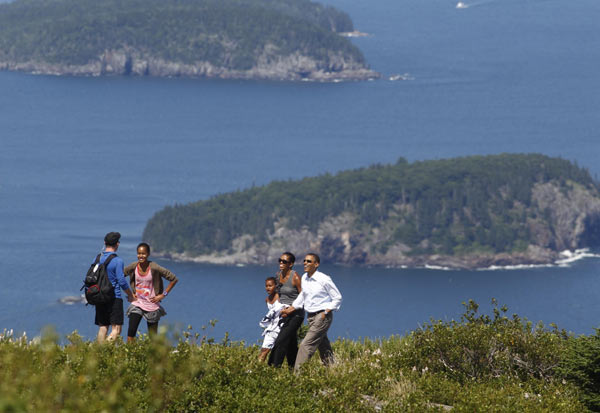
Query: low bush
[[480, 346], [581, 365], [491, 364]]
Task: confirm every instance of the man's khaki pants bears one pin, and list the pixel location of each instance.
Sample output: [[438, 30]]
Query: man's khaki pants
[[316, 339]]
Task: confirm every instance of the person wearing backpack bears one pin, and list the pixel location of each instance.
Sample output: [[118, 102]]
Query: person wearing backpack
[[111, 313]]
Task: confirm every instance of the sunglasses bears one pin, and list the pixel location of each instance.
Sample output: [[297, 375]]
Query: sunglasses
[[281, 261], [308, 261]]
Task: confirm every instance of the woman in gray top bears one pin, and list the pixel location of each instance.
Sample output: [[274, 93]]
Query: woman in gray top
[[289, 283]]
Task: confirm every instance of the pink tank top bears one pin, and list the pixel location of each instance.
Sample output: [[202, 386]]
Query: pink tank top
[[144, 289]]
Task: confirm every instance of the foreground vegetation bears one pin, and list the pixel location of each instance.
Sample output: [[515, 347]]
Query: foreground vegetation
[[480, 363]]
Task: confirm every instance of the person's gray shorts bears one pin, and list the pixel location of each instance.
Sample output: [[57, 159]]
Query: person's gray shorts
[[150, 316]]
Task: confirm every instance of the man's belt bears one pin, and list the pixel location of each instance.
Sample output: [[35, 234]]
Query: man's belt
[[315, 313]]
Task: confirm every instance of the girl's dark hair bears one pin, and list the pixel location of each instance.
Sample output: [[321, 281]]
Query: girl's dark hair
[[291, 256], [271, 279], [143, 244]]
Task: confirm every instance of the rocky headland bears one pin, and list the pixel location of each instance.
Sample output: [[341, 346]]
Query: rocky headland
[[478, 220], [131, 62], [227, 39]]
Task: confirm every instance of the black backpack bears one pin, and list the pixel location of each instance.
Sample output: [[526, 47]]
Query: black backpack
[[98, 288]]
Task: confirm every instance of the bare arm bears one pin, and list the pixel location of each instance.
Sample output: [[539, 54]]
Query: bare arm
[[297, 282]]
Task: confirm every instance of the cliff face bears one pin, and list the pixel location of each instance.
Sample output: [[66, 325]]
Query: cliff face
[[269, 66], [575, 217], [574, 223]]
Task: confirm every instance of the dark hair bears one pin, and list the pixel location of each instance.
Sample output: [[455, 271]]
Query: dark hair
[[111, 239], [143, 244], [291, 256], [271, 279], [317, 259]]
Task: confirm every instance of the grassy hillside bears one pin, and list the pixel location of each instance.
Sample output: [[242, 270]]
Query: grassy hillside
[[479, 363]]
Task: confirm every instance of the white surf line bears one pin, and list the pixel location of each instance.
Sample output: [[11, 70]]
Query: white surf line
[[463, 5], [572, 256], [479, 3], [436, 267], [569, 257]]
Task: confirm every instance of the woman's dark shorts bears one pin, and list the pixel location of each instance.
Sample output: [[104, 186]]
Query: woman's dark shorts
[[110, 314]]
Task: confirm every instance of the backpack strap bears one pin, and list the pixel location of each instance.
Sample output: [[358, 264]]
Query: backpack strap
[[97, 262], [109, 259]]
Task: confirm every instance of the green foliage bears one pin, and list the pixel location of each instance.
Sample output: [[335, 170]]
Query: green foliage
[[226, 33], [478, 203], [480, 346], [196, 374], [581, 365]]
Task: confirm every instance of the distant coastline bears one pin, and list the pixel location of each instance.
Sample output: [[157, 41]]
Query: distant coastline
[[291, 68], [227, 39], [508, 262]]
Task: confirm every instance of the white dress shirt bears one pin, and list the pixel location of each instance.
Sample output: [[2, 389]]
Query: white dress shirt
[[318, 293]]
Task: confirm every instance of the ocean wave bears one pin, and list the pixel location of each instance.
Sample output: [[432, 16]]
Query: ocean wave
[[567, 257], [437, 267], [72, 299], [515, 267], [572, 256]]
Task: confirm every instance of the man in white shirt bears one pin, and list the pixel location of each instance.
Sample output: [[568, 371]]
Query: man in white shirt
[[319, 298]]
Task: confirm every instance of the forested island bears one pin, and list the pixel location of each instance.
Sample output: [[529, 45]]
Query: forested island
[[470, 212], [232, 39]]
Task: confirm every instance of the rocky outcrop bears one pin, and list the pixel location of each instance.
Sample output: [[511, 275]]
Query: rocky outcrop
[[574, 213], [339, 245], [269, 66]]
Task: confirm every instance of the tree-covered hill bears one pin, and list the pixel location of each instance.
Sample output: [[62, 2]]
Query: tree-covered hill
[[283, 39], [463, 212]]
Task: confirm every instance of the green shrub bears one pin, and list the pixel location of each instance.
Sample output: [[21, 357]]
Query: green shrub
[[480, 346], [199, 374], [581, 365]]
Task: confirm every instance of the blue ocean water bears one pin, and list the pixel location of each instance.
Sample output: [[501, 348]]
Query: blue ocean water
[[83, 156]]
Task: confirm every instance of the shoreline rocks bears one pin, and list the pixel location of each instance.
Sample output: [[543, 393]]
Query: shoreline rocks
[[475, 262], [295, 67]]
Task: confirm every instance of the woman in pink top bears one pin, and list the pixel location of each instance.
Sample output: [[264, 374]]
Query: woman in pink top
[[146, 280]]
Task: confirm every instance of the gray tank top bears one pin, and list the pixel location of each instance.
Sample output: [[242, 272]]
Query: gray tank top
[[287, 291]]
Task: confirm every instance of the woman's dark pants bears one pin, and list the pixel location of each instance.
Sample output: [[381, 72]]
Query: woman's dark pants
[[286, 344]]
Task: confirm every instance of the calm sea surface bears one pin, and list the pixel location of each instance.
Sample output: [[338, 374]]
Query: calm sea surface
[[83, 156]]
